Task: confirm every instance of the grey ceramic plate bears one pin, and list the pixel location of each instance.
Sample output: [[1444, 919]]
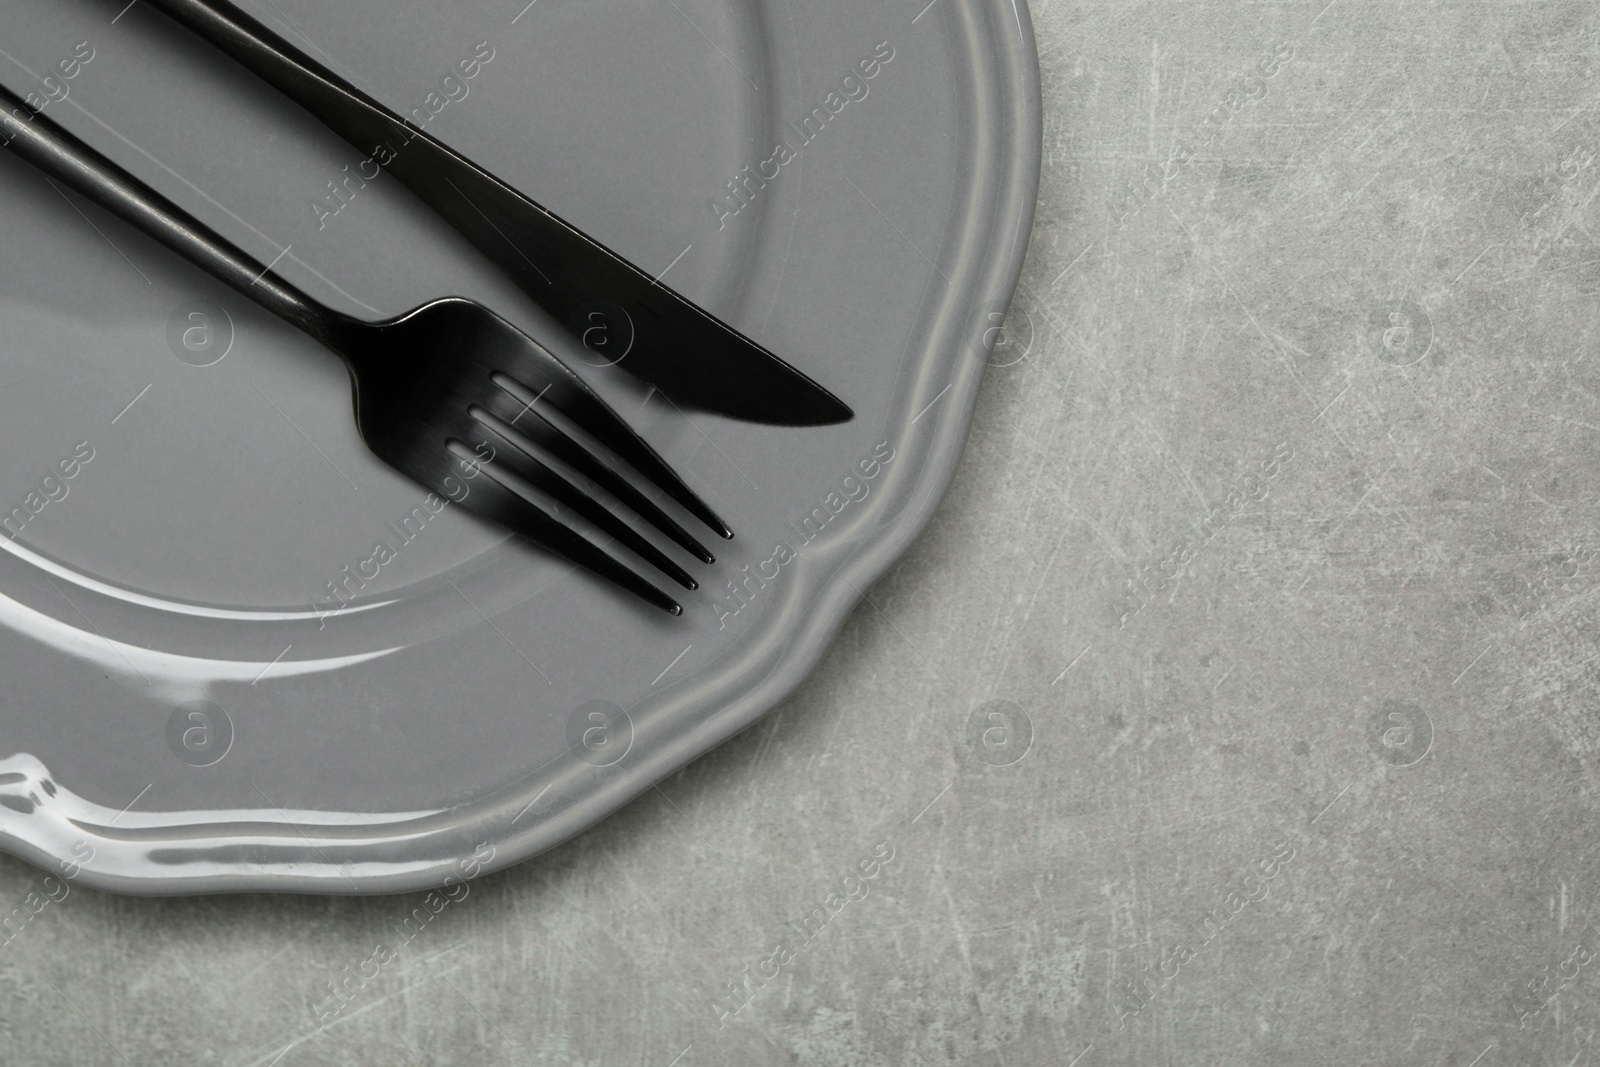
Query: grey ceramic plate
[[189, 703]]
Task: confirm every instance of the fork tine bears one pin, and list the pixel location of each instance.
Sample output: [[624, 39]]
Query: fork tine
[[510, 412], [530, 469], [497, 502], [572, 396]]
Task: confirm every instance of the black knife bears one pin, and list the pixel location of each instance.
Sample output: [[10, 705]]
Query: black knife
[[674, 345]]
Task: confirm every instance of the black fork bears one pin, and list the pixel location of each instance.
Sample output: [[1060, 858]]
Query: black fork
[[442, 393]]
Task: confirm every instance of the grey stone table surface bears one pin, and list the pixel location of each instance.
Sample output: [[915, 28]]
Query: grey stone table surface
[[1237, 708]]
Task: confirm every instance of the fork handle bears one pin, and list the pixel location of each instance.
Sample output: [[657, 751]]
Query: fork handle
[[61, 155]]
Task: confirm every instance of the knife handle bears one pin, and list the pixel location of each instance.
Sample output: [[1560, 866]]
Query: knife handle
[[438, 174], [339, 105], [332, 98], [69, 160]]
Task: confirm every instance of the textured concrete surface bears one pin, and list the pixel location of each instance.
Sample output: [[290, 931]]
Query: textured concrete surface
[[1237, 709]]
